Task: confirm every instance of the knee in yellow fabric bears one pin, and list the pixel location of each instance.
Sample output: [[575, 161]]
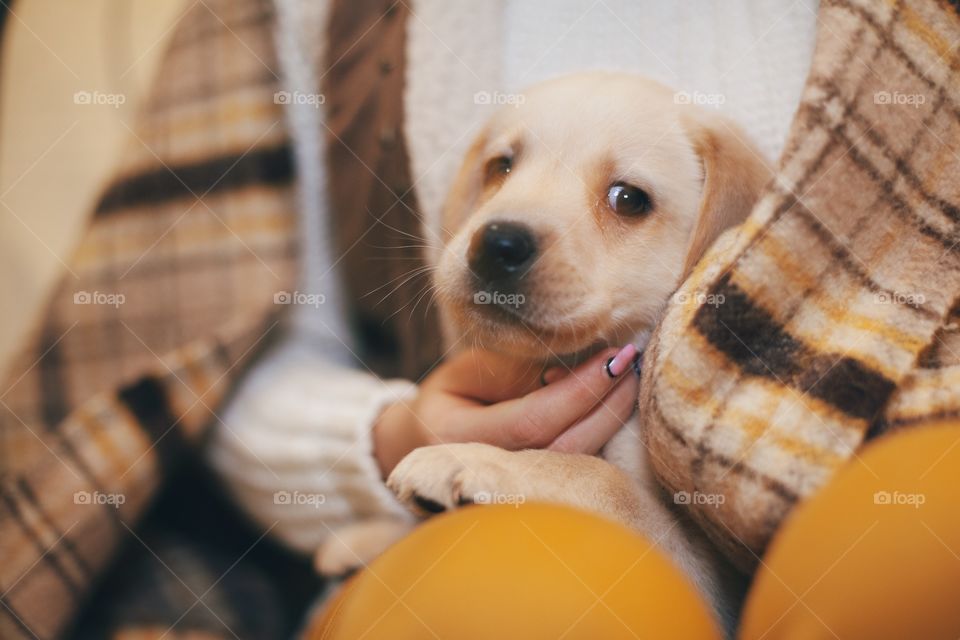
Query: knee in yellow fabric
[[875, 554]]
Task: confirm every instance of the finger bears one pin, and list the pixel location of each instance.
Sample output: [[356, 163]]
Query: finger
[[490, 377], [537, 418], [559, 372], [553, 374], [595, 430]]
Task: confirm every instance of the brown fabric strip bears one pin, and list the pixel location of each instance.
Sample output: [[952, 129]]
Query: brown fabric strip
[[760, 346], [52, 560], [375, 223], [52, 385], [268, 166], [147, 400]]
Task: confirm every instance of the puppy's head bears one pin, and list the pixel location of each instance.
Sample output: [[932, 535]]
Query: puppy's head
[[577, 213]]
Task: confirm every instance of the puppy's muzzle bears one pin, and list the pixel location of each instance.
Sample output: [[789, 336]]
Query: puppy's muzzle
[[500, 253]]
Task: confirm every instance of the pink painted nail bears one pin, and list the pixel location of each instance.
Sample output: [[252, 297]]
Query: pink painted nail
[[619, 363]]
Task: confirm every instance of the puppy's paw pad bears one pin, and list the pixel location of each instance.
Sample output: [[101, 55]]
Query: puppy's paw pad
[[428, 505], [354, 546], [432, 479], [336, 559]]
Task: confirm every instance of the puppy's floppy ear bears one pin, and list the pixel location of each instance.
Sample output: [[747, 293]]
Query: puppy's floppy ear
[[467, 186], [734, 174]]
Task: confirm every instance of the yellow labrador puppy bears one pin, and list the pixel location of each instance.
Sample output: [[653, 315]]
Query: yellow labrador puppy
[[577, 214]]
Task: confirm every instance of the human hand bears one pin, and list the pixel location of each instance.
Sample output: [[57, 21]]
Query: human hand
[[481, 396]]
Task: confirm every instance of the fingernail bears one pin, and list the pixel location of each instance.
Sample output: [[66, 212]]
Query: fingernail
[[551, 375], [616, 365]]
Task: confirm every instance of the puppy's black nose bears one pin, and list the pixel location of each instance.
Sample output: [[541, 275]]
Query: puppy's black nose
[[501, 250]]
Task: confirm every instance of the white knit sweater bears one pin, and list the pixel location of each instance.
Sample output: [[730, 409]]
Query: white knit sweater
[[295, 449]]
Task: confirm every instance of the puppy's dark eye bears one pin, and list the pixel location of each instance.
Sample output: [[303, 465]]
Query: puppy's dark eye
[[628, 200], [497, 168]]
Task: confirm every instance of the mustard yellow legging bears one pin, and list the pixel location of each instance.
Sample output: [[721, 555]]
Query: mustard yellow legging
[[874, 555]]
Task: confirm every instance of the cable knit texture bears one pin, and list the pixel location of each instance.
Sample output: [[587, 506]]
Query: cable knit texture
[[298, 453], [301, 422]]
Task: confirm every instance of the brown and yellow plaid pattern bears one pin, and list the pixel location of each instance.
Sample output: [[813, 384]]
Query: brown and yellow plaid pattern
[[170, 291], [830, 316]]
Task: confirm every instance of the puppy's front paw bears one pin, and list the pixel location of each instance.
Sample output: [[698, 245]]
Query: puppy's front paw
[[336, 557], [433, 479], [352, 547]]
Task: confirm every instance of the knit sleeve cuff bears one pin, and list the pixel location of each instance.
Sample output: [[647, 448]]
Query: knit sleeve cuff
[[391, 391], [295, 449]]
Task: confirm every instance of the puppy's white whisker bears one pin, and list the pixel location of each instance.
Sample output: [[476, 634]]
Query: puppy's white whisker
[[402, 275], [424, 292], [400, 286], [400, 246], [407, 277], [402, 309], [401, 231]]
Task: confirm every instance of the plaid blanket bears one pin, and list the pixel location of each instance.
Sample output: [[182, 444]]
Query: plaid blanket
[[168, 295], [830, 316], [171, 293]]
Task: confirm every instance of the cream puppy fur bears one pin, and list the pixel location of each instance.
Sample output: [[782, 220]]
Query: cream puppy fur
[[574, 218]]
